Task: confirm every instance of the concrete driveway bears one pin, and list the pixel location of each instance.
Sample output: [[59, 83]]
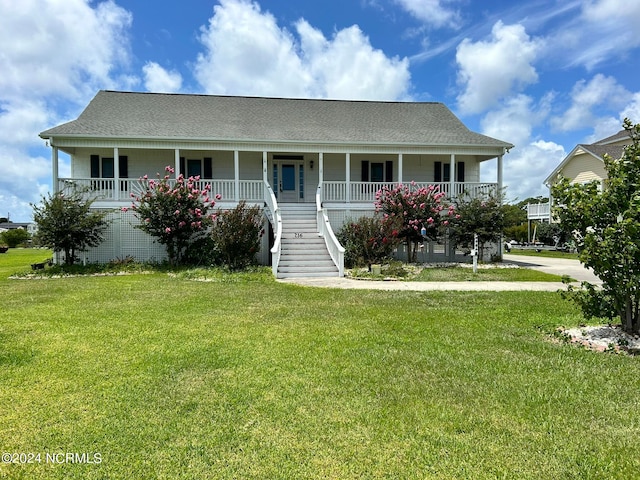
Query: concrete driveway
[[556, 266]]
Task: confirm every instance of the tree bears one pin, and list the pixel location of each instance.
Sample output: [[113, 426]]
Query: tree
[[66, 223], [607, 230], [481, 216], [14, 237], [176, 212], [514, 215], [409, 209]]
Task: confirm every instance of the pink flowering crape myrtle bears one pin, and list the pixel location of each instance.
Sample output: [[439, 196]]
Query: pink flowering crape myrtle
[[175, 211], [411, 209]]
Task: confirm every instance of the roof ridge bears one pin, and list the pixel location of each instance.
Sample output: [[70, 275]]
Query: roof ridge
[[263, 97]]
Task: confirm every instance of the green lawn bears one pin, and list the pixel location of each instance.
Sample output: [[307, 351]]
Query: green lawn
[[465, 274], [244, 377]]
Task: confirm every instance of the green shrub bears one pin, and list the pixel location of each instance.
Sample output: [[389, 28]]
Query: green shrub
[[367, 240], [236, 235], [13, 238], [67, 223]]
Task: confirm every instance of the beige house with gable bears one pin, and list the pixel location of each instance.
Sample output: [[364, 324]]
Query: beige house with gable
[[584, 164], [311, 164]]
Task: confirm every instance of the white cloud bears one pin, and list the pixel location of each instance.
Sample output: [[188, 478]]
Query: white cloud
[[54, 55], [432, 12], [60, 47], [248, 53], [614, 23], [349, 67], [22, 181], [531, 161], [632, 110], [601, 93], [526, 170], [159, 80], [491, 70]]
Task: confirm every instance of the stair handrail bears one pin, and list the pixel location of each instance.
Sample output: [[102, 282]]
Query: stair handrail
[[336, 251], [272, 204]]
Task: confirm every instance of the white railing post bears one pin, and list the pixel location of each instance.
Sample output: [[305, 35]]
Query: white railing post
[[116, 173], [236, 174], [347, 177], [54, 166]]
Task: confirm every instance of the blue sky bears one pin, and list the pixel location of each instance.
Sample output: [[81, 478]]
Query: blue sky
[[544, 75]]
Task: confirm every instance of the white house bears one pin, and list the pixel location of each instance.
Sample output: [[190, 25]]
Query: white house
[[311, 164]]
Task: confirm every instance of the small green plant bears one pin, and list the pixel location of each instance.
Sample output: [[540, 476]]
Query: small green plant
[[395, 269]]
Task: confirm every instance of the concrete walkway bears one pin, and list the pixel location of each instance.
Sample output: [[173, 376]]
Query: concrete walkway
[[557, 266]]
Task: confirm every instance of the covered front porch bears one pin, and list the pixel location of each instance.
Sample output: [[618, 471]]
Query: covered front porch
[[293, 176]]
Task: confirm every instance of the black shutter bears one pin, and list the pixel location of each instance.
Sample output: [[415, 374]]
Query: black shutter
[[460, 172], [365, 171], [182, 167], [388, 174], [437, 171], [123, 166], [95, 166], [207, 168]]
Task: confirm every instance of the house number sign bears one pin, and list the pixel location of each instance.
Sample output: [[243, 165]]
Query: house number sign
[[298, 235]]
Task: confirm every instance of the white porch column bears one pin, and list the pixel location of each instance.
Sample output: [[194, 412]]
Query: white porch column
[[347, 178], [400, 168], [54, 168], [320, 167], [176, 162], [116, 174], [264, 169], [499, 192], [236, 172], [452, 172]]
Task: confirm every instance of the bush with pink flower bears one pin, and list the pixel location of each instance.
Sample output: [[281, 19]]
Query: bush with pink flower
[[174, 210], [409, 209]]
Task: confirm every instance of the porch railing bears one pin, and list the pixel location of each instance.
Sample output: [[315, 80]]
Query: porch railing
[[336, 251], [538, 211], [365, 192], [111, 189], [274, 214]]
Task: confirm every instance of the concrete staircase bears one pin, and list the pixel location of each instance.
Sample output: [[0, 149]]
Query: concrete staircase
[[304, 253]]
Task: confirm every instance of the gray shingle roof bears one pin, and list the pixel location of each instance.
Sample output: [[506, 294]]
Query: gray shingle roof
[[621, 135], [210, 117], [615, 151]]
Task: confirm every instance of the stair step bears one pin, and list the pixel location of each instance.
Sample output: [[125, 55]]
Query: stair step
[[306, 265], [304, 253], [307, 275]]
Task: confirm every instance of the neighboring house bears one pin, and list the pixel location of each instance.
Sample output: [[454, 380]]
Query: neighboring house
[[31, 228], [584, 164], [312, 164]]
